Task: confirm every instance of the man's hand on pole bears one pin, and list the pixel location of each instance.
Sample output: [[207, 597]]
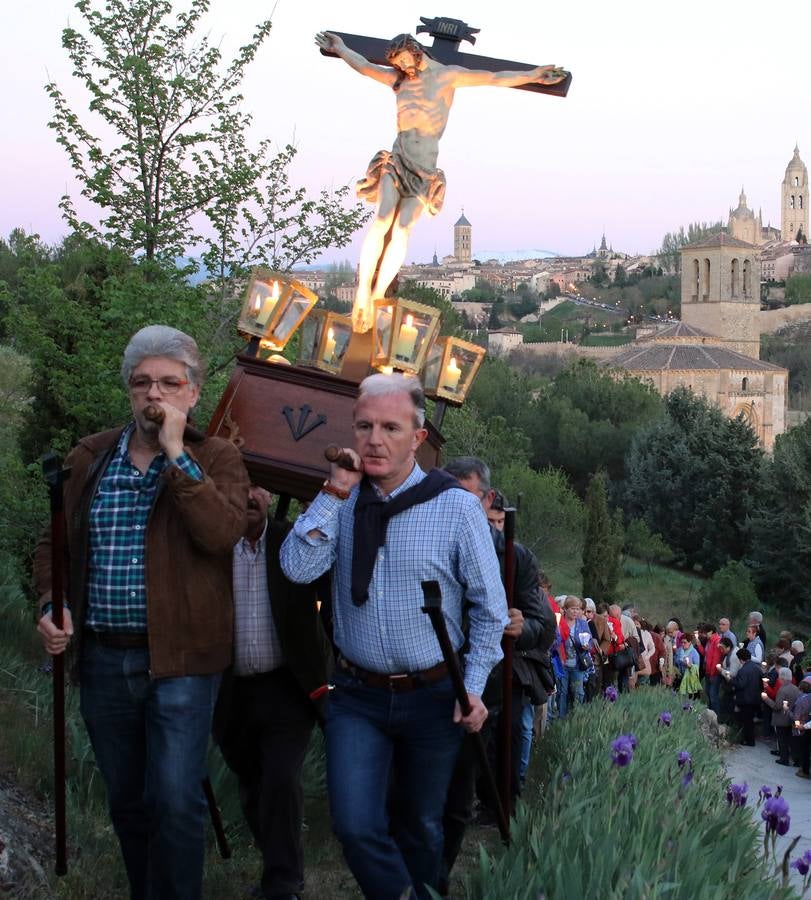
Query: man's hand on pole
[[55, 639], [516, 625], [476, 717]]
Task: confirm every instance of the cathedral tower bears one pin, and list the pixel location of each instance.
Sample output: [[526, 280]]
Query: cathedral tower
[[462, 233], [720, 291], [794, 199]]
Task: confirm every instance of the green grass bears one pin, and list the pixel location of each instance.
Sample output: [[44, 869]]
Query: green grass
[[606, 340]]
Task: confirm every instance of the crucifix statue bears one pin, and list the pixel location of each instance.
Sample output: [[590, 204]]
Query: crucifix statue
[[405, 181]]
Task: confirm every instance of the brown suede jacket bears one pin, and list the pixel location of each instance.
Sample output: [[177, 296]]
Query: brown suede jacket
[[191, 533]]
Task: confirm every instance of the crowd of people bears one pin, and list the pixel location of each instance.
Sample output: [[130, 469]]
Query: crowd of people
[[742, 682], [190, 612]]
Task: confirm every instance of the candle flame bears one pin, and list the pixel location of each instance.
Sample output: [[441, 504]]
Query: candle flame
[[274, 291], [452, 363], [257, 304], [410, 320], [330, 334]]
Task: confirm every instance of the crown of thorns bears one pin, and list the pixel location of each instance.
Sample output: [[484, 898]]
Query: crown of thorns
[[405, 42]]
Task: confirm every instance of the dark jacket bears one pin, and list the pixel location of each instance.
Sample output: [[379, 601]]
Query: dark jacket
[[531, 649], [190, 537], [304, 641], [746, 684]]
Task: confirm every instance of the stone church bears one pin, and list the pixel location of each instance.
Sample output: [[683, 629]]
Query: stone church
[[715, 349]]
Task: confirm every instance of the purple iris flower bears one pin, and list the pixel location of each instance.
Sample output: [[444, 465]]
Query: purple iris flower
[[765, 792], [737, 794], [622, 750], [684, 759], [803, 863], [665, 718], [775, 815], [610, 693], [687, 707], [687, 778]]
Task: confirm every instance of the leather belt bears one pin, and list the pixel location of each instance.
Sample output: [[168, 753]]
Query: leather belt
[[119, 640], [397, 684]]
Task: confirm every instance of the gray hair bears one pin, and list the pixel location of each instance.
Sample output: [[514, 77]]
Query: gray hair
[[784, 674], [380, 385], [465, 466], [161, 340], [590, 605], [755, 617]]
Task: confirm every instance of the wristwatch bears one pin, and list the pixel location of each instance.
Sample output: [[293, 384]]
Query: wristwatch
[[329, 488]]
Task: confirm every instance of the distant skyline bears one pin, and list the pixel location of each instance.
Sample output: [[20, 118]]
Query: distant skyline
[[671, 110]]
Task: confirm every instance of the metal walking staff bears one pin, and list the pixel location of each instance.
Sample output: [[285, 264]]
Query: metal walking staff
[[55, 476], [432, 595], [507, 646]]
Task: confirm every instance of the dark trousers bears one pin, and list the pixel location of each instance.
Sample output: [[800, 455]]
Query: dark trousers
[[783, 742], [269, 727], [801, 745], [746, 719]]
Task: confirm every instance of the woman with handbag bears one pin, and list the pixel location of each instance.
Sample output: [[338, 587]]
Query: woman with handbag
[[574, 652]]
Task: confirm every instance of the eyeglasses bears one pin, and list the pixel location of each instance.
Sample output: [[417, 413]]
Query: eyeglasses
[[141, 384]]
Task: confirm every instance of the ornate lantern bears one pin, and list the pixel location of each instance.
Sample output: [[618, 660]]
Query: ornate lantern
[[451, 368], [274, 307], [324, 339], [403, 332]]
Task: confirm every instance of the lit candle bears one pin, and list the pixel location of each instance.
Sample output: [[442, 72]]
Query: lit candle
[[452, 375], [404, 348], [329, 346], [264, 310]]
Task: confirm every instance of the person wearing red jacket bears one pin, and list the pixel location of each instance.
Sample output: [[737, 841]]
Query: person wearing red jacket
[[707, 646]]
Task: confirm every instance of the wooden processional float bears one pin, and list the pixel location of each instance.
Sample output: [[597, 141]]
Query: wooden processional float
[[282, 416]]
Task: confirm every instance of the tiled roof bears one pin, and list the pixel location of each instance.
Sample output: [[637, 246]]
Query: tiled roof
[[679, 330], [652, 357], [722, 239]]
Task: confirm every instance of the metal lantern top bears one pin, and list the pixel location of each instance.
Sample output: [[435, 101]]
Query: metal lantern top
[[274, 307]]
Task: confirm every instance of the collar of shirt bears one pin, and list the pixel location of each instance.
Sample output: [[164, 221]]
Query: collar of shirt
[[244, 548], [415, 476], [122, 451]]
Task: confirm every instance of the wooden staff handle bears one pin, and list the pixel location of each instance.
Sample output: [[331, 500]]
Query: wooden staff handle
[[335, 454], [156, 414]]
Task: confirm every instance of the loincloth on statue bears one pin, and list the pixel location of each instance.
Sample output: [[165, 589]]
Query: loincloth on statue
[[410, 180]]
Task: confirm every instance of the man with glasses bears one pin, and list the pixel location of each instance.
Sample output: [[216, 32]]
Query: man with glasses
[[153, 511]]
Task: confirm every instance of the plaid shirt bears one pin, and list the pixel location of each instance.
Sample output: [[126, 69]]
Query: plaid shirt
[[118, 521], [257, 647], [445, 539]]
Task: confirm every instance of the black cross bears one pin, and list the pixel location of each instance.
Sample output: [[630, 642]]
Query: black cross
[[447, 35]]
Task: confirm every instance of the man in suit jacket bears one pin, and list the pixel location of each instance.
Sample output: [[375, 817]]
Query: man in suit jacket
[[272, 696]]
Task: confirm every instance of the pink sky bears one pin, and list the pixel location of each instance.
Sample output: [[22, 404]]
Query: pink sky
[[671, 110]]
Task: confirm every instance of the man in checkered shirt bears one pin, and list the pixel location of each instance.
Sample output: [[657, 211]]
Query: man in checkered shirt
[[152, 511], [393, 728]]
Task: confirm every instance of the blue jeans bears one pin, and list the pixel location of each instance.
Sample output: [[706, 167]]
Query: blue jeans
[[713, 693], [150, 740], [572, 678], [527, 723], [389, 763]]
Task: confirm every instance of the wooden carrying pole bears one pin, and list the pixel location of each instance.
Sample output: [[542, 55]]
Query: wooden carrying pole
[[432, 596], [507, 645], [55, 475]]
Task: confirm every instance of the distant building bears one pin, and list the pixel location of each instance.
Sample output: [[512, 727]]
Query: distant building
[[715, 349], [502, 341], [462, 239], [794, 199]]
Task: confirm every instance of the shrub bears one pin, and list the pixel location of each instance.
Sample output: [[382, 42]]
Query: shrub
[[591, 826], [730, 593]]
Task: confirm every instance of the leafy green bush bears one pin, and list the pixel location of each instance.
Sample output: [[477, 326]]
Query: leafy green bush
[[590, 828], [730, 593]]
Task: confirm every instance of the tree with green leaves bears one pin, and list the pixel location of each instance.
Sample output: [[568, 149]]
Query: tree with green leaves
[[729, 593], [602, 545], [670, 251], [694, 477], [780, 528], [586, 418], [644, 544], [172, 149], [798, 289]]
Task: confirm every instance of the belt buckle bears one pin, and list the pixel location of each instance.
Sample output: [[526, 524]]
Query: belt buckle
[[396, 680]]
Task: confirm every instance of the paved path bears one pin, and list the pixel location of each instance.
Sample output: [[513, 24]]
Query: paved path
[[756, 766]]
